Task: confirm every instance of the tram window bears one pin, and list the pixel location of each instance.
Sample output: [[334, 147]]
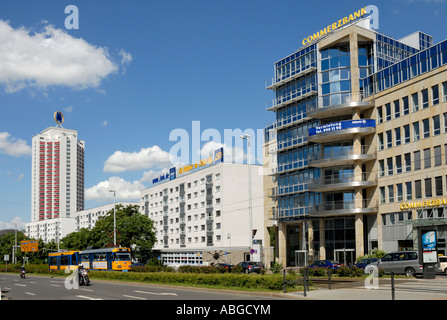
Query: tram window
[[121, 256]]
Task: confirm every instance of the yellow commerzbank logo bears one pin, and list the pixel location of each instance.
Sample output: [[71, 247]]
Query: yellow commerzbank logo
[[423, 204], [340, 23]]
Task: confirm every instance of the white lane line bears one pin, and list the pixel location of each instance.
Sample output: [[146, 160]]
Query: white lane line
[[158, 293], [55, 285], [89, 298], [20, 285], [31, 294], [90, 290], [133, 297]]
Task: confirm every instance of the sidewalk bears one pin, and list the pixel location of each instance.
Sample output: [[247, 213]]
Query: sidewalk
[[405, 289]]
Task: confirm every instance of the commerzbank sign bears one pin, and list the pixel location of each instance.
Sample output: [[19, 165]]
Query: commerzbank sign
[[365, 11]]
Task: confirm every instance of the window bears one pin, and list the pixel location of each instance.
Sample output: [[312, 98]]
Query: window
[[396, 109], [436, 126], [389, 162], [435, 95], [391, 193], [445, 122], [407, 162], [409, 191], [428, 192], [424, 98], [397, 136], [416, 136], [405, 106], [418, 189], [407, 133], [427, 159], [417, 160], [426, 127], [381, 168], [437, 157], [438, 186], [389, 139], [415, 101], [444, 91], [380, 141], [388, 111], [382, 195], [398, 164], [399, 189], [379, 115]]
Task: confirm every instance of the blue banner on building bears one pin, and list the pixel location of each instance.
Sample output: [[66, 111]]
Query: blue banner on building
[[218, 155], [342, 125]]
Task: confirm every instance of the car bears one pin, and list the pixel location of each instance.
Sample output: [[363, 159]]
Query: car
[[249, 267], [362, 263], [399, 262], [224, 265], [325, 264], [137, 264], [442, 264]]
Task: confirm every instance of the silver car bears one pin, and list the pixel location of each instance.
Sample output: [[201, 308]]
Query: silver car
[[400, 262]]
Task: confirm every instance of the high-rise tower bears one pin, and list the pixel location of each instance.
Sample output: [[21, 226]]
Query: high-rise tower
[[57, 187]]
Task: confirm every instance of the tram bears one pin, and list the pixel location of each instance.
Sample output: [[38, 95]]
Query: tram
[[107, 259]]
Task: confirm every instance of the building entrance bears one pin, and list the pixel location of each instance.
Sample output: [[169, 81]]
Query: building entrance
[[345, 256]]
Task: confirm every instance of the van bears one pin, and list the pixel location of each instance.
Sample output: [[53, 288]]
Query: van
[[442, 264], [400, 262]]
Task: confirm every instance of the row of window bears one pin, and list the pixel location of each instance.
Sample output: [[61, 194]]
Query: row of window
[[393, 138], [407, 163], [418, 189], [417, 100]]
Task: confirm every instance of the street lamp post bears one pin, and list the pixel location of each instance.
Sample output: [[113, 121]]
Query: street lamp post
[[248, 137], [114, 217]]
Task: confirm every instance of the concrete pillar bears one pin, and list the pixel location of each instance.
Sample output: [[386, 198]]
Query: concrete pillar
[[359, 243], [282, 244], [322, 240], [355, 74]]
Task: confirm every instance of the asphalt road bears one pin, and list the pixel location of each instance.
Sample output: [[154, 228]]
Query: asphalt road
[[60, 288]]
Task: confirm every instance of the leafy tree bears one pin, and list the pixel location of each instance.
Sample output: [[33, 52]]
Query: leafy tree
[[134, 230]]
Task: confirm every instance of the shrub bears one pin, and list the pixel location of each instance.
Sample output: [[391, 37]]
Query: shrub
[[276, 267]]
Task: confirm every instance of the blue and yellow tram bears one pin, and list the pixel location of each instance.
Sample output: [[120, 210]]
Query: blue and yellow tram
[[95, 259], [63, 260]]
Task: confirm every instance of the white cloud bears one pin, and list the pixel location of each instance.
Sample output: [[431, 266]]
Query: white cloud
[[12, 146], [152, 157], [125, 190], [12, 225], [148, 176], [51, 58]]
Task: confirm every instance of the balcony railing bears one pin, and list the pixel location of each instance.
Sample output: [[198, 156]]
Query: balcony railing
[[343, 154], [344, 207], [334, 182]]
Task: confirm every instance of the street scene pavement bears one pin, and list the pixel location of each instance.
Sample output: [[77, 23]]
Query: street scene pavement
[[404, 289]]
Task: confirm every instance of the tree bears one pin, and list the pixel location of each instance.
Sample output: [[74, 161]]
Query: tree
[[134, 230]]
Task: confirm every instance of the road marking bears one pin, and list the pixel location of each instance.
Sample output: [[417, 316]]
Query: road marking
[[20, 285], [158, 293], [90, 290], [133, 297], [31, 294], [55, 285], [89, 298]]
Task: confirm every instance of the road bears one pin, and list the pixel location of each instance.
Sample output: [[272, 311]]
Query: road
[[48, 288]]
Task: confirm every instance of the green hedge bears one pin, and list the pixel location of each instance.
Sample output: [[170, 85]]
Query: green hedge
[[189, 277], [219, 280]]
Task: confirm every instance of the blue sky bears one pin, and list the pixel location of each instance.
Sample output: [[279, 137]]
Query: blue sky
[[135, 71]]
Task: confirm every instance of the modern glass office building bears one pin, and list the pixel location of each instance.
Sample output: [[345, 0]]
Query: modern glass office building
[[327, 182]]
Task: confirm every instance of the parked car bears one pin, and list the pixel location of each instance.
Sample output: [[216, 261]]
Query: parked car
[[362, 263], [249, 267], [400, 262], [224, 265], [442, 264], [325, 264]]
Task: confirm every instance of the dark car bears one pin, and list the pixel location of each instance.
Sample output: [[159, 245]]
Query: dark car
[[325, 264], [224, 265], [249, 267], [362, 263]]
